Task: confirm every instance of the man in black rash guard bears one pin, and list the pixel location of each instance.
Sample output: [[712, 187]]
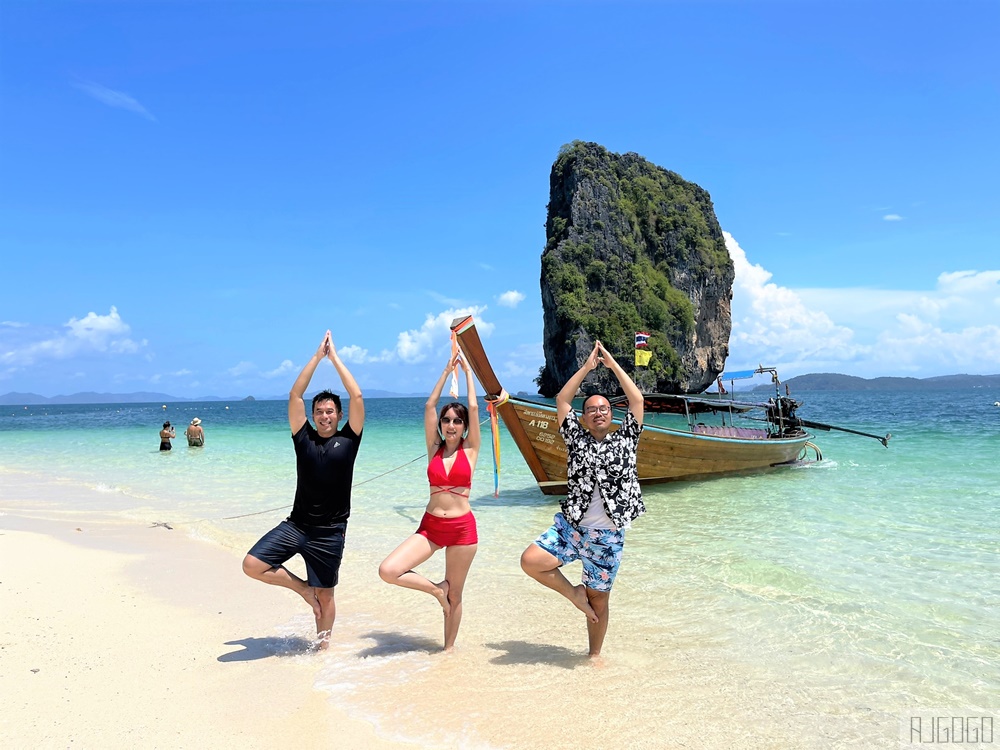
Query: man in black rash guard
[[324, 462]]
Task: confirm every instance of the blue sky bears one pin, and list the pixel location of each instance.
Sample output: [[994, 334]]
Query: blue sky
[[191, 193]]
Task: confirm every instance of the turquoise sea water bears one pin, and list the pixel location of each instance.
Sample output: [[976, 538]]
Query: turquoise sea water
[[824, 601]]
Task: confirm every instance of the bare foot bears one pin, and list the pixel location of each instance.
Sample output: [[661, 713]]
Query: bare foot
[[322, 642], [582, 603], [596, 660], [442, 596], [309, 594]]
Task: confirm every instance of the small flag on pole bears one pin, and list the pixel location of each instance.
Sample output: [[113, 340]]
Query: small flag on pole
[[642, 353]]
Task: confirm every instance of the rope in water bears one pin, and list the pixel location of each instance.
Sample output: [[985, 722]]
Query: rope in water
[[358, 484], [285, 507]]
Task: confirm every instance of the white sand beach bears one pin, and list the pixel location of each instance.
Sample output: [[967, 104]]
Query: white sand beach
[[121, 633], [123, 636]]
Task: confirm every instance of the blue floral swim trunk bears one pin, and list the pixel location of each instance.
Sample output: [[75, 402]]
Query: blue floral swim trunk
[[600, 550]]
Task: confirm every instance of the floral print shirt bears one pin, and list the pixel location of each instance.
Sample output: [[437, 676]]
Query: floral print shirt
[[610, 464]]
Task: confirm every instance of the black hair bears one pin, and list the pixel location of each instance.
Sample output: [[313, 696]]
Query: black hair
[[460, 408], [166, 424], [327, 396]]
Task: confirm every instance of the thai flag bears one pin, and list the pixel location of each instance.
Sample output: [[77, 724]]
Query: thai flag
[[641, 339]]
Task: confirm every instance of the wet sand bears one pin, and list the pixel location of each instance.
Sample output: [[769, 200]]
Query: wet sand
[[117, 635]]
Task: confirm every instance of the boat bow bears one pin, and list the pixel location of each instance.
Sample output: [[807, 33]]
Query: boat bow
[[665, 454]]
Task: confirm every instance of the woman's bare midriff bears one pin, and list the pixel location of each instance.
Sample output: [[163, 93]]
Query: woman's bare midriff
[[448, 502]]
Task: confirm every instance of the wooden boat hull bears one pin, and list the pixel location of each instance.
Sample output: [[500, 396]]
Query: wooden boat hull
[[664, 454]]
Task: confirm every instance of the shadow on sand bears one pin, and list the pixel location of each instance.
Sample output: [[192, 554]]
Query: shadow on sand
[[522, 652], [262, 648], [390, 644]]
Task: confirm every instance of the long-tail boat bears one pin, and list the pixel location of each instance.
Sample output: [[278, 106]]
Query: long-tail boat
[[690, 451]]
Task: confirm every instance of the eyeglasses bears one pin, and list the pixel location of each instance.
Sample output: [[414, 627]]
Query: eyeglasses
[[452, 420], [597, 410]]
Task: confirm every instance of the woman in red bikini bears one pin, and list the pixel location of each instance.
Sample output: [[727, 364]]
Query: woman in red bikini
[[452, 450]]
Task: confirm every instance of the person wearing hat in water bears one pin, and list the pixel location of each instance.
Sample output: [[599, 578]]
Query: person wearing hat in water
[[195, 434], [166, 435]]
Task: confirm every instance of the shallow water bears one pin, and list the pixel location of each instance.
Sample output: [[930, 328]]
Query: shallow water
[[812, 606]]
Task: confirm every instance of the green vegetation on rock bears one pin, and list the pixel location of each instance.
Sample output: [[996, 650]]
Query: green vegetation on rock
[[631, 246]]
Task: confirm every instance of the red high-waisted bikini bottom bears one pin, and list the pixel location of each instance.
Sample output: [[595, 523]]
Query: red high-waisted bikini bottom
[[449, 532]]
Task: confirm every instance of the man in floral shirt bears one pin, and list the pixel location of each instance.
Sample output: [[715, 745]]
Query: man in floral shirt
[[602, 501]]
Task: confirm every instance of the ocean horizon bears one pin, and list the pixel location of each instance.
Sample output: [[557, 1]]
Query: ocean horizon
[[805, 383], [84, 398]]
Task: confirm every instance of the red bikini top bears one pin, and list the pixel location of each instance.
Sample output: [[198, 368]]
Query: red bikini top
[[460, 475]]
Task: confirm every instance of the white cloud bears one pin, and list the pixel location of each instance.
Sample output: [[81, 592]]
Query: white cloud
[[284, 368], [114, 98], [242, 369], [13, 324], [416, 345], [971, 283], [358, 355], [945, 329], [892, 217], [771, 324], [352, 353], [522, 363], [92, 333], [98, 328], [511, 299]]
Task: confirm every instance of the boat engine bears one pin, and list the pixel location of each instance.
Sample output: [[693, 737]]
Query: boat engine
[[781, 413]]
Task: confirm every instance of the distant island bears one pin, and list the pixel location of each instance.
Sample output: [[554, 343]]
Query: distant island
[[831, 381], [144, 397], [821, 381]]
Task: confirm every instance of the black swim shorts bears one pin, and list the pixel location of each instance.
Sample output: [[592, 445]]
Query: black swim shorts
[[322, 548]]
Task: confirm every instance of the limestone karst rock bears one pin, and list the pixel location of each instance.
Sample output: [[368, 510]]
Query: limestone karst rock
[[632, 247]]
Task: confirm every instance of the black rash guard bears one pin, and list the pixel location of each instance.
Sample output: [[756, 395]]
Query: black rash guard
[[325, 468]]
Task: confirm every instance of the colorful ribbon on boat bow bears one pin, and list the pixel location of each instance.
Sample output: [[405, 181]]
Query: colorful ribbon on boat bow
[[453, 391], [492, 403]]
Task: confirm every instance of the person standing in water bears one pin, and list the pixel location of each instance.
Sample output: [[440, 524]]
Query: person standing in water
[[195, 434], [603, 497], [166, 435], [453, 441], [324, 462]]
